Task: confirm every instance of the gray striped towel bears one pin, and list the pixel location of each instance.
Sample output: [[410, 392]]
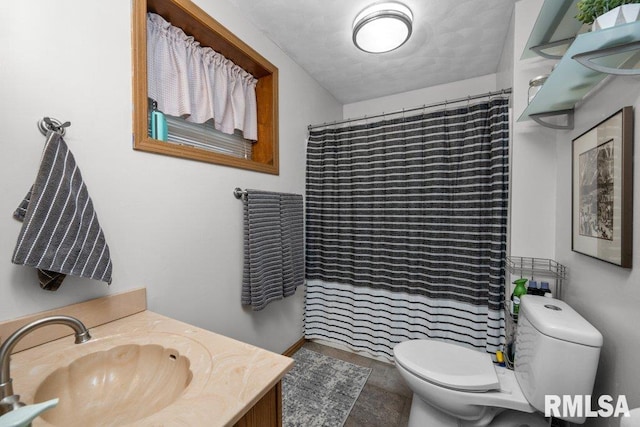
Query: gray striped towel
[[292, 229], [273, 247], [60, 232]]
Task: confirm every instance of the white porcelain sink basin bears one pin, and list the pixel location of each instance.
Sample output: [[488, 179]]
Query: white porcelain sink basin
[[115, 387]]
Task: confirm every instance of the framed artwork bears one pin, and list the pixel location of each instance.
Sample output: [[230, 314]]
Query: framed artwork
[[602, 192]]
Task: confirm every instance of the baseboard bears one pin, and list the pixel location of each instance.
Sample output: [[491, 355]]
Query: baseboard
[[295, 347]]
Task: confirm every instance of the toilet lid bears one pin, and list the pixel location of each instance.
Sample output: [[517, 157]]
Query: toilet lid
[[448, 365]]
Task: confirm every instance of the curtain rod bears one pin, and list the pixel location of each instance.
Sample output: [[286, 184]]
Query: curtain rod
[[422, 107]]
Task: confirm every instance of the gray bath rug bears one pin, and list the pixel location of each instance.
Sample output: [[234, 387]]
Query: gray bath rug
[[320, 390]]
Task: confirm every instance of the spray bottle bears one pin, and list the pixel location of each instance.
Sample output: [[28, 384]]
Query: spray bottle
[[518, 291]]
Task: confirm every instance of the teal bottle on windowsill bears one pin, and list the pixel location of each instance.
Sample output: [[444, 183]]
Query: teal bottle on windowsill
[[158, 123]]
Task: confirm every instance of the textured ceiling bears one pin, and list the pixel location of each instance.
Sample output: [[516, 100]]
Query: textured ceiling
[[451, 41]]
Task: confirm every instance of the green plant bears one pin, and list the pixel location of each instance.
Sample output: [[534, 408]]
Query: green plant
[[589, 10]]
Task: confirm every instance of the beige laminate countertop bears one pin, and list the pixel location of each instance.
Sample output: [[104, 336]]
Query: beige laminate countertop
[[229, 376]]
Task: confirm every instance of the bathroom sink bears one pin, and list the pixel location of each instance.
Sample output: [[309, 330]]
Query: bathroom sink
[[115, 386], [147, 370]]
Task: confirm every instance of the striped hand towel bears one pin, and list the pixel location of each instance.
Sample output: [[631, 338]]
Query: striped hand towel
[[273, 247], [292, 235], [60, 232]]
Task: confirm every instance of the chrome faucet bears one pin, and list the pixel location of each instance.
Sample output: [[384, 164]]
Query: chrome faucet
[[8, 400]]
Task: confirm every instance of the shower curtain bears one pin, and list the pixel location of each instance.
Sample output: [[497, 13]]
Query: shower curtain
[[406, 223]]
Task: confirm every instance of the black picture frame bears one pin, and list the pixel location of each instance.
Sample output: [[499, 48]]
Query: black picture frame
[[602, 190]]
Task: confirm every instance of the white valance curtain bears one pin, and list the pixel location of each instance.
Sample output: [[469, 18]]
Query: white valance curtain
[[197, 83]]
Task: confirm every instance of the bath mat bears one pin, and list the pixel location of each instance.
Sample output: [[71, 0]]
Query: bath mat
[[320, 390]]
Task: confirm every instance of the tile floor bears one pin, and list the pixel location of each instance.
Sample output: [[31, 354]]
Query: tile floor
[[385, 400]]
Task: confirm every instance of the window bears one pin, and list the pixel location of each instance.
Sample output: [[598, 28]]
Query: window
[[195, 22]]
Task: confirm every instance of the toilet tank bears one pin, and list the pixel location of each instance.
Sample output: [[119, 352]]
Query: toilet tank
[[557, 351]]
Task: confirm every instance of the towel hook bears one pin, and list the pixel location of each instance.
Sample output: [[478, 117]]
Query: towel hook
[[48, 124]]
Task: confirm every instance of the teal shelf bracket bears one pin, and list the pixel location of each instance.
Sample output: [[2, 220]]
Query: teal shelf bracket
[[540, 49], [568, 125], [554, 30], [587, 59]]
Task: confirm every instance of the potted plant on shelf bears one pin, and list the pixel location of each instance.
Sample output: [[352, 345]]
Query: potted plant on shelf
[[607, 13]]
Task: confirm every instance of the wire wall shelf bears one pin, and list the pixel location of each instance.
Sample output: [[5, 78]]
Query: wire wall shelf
[[536, 267], [539, 269]]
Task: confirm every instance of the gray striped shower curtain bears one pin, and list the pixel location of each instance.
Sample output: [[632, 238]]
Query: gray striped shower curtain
[[406, 223]]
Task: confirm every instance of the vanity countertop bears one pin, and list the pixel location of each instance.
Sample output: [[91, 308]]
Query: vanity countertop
[[229, 376]]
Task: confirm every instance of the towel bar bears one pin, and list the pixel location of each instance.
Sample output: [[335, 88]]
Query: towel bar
[[239, 193]]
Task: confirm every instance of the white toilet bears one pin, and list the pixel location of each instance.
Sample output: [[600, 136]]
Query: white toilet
[[557, 353], [633, 420]]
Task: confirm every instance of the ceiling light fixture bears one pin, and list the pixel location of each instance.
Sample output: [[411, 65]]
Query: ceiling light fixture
[[382, 27]]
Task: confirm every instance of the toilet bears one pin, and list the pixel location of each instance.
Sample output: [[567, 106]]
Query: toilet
[[454, 386], [633, 420]]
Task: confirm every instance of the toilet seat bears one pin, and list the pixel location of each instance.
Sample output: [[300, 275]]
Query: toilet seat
[[448, 365]]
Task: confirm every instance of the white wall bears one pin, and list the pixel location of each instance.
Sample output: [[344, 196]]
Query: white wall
[[504, 73], [606, 295], [533, 157], [416, 98], [172, 225]]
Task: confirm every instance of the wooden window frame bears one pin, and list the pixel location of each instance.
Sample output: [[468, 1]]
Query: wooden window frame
[[195, 22]]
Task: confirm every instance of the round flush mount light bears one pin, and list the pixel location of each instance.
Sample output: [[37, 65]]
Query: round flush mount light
[[382, 27]]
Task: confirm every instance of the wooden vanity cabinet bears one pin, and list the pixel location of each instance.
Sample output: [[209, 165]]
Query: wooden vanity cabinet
[[267, 412]]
